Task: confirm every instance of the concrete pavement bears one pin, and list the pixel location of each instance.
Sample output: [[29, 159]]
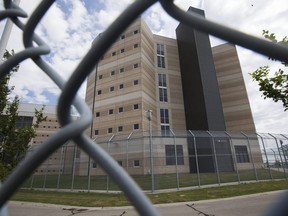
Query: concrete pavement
[[251, 205]]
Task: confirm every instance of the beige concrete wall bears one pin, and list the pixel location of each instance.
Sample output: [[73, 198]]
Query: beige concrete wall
[[237, 112], [174, 84]]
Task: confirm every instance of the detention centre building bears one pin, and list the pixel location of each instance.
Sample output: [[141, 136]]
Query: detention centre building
[[146, 82], [174, 100]]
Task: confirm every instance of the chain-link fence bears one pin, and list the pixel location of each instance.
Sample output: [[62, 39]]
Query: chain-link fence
[[74, 130], [182, 159]]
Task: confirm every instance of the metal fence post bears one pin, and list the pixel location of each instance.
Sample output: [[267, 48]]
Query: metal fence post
[[60, 167], [196, 158], [284, 170], [275, 158], [127, 150], [176, 159], [89, 170], [266, 156], [73, 168], [45, 176], [252, 158], [215, 157], [32, 180], [233, 155], [149, 117], [284, 152], [107, 179]]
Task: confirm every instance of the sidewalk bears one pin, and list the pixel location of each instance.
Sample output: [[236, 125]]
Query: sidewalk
[[250, 205]]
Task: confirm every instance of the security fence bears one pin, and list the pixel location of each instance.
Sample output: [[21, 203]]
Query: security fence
[[179, 159], [35, 47]]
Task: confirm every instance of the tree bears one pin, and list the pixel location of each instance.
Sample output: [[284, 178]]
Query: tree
[[273, 86], [14, 141]]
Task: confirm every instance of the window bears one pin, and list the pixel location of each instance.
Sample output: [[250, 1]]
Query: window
[[96, 132], [136, 65], [119, 162], [109, 130], [122, 50], [135, 32], [112, 88], [162, 80], [113, 53], [160, 49], [165, 130], [136, 163], [135, 82], [122, 37], [120, 128], [112, 73], [161, 61], [135, 46], [136, 126], [121, 70], [163, 95], [99, 92], [242, 154], [110, 112], [97, 114], [100, 77], [160, 56], [120, 109], [121, 86], [136, 106], [164, 116], [170, 154], [94, 165]]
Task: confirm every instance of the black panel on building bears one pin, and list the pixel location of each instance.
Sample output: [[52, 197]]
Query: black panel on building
[[202, 102]]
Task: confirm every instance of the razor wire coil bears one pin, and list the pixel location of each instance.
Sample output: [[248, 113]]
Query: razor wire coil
[[74, 129]]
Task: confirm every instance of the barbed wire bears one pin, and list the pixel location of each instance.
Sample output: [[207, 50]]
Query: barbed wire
[[74, 129]]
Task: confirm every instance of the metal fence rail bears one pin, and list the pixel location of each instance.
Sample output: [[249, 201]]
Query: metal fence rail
[[74, 130]]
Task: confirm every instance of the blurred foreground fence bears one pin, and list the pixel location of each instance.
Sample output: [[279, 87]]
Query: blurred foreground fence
[[35, 47], [179, 159]]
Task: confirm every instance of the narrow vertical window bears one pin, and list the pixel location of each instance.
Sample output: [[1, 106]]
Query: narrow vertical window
[[164, 122], [162, 83], [160, 56]]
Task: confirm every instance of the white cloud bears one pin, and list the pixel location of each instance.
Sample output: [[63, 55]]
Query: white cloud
[[70, 30]]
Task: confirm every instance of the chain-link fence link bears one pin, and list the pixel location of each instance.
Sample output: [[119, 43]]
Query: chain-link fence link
[[74, 130]]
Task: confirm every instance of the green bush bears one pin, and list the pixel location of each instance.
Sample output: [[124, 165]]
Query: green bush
[[3, 172]]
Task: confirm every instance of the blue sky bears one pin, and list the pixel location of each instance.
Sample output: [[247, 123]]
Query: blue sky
[[71, 25]]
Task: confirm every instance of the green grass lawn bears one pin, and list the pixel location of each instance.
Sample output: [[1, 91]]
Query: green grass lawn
[[167, 181], [86, 199]]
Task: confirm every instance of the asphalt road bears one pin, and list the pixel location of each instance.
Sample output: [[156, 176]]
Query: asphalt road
[[251, 205]]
